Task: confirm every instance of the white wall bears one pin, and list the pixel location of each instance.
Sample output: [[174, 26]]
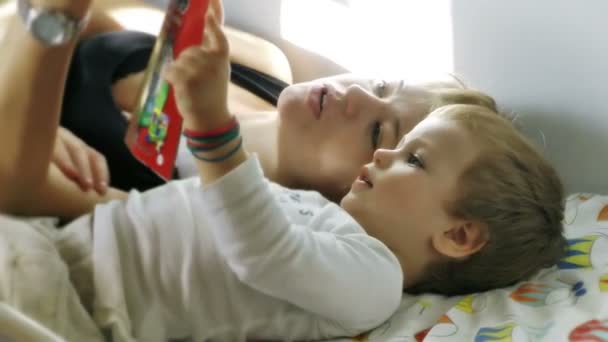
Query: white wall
[[547, 60], [263, 18]]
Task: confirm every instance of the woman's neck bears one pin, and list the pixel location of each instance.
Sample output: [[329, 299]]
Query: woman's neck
[[259, 131]]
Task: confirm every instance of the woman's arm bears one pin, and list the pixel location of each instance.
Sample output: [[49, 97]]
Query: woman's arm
[[59, 196], [32, 81]]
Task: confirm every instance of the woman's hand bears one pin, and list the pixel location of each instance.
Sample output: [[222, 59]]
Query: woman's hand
[[80, 163], [200, 76]]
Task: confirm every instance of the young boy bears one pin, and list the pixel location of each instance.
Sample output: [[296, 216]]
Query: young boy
[[238, 257]]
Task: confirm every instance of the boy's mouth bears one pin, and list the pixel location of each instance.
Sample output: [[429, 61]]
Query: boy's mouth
[[364, 177], [367, 181], [323, 98]]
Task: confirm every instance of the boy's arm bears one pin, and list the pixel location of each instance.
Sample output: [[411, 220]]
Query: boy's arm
[[31, 78], [340, 274]]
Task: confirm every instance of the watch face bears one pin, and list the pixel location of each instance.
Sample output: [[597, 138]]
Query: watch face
[[49, 28]]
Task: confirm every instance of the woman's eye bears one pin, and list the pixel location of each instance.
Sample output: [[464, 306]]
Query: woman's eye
[[376, 130], [380, 88], [414, 160]]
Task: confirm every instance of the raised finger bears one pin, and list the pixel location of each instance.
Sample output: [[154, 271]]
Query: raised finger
[[215, 39], [218, 10]]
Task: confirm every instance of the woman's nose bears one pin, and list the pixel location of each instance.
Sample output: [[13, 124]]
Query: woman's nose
[[357, 101]]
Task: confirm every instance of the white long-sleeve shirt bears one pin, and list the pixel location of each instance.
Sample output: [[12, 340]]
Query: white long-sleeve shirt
[[240, 258]]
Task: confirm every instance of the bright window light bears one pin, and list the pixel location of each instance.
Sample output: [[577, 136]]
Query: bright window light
[[392, 38], [139, 19]]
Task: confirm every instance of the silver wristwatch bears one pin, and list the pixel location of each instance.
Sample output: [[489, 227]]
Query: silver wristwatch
[[50, 27]]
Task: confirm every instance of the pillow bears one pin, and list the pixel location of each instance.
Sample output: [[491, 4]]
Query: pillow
[[566, 302]]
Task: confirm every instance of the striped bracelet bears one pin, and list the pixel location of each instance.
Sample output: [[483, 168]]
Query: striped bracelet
[[212, 134], [221, 158], [202, 142]]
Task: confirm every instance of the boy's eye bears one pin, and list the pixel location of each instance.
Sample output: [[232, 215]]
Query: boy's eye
[[414, 160], [380, 88], [376, 130]]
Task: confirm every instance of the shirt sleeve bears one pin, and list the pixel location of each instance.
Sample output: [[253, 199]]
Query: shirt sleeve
[[338, 272]]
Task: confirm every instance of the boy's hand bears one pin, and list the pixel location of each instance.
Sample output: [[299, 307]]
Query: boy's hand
[[200, 77]]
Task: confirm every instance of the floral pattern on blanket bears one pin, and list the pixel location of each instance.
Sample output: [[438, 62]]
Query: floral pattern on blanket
[[568, 302]]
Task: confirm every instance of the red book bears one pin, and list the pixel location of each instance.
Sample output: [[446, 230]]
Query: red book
[[155, 128]]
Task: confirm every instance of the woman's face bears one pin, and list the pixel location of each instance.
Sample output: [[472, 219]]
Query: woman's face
[[329, 128]]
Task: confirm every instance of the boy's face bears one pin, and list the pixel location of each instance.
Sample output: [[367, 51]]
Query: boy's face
[[400, 197]]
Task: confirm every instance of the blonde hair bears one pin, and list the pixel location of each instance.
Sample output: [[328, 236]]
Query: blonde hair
[[444, 96], [453, 91], [516, 193]]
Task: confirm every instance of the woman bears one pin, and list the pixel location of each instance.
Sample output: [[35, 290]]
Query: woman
[[341, 119]]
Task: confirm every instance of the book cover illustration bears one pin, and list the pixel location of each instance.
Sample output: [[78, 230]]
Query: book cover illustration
[[155, 128]]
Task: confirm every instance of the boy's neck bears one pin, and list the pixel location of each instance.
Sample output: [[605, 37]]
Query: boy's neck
[[259, 131]]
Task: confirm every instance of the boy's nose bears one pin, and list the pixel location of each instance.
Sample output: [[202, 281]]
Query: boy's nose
[[383, 158]]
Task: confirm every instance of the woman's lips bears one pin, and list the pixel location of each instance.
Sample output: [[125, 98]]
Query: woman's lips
[[314, 99], [319, 98]]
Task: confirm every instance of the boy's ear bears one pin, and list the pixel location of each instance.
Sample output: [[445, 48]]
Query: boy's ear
[[463, 239]]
